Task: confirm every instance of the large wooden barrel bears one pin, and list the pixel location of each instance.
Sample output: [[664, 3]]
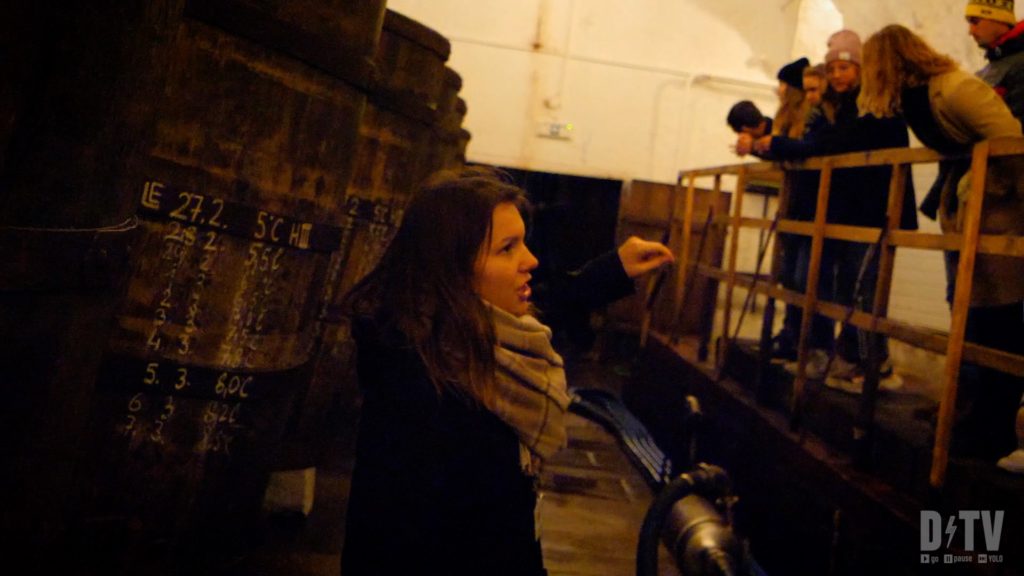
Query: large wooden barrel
[[449, 150], [74, 120], [241, 201], [393, 159]]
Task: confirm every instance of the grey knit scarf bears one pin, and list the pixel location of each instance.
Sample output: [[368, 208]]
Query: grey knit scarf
[[530, 394]]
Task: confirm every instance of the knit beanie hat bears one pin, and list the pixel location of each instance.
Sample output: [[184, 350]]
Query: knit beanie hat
[[843, 45], [793, 73], [998, 10]]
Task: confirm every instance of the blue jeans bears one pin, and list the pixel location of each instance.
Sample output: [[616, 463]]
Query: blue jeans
[[788, 274], [848, 260], [822, 334]]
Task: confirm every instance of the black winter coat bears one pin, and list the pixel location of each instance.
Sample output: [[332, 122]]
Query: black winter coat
[[859, 195], [437, 486]]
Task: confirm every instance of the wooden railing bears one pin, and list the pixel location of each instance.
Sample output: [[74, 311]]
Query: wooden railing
[[970, 243]]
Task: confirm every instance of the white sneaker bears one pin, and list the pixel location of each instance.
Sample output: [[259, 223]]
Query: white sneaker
[[817, 360], [849, 377], [843, 369], [888, 379], [1014, 462]]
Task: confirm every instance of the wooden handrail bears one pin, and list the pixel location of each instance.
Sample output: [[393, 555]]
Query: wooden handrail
[[969, 243], [882, 157]]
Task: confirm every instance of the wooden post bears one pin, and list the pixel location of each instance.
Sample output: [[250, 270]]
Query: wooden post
[[707, 316], [730, 283], [654, 284], [863, 429], [768, 321], [961, 306], [811, 293], [683, 261]]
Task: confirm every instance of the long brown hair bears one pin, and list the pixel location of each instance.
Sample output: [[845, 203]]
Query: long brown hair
[[894, 59], [791, 115], [422, 289]]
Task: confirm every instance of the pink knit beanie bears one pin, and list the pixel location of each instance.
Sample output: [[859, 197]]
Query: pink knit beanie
[[844, 45]]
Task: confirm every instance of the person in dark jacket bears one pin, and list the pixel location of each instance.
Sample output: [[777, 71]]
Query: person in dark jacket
[[994, 27], [858, 197], [749, 124], [803, 194], [790, 121], [464, 397]]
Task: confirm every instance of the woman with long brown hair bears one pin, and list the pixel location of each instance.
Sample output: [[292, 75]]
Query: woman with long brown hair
[[463, 394], [791, 115], [950, 110]]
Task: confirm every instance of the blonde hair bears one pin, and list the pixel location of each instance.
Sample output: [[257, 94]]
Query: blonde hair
[[895, 59], [791, 116], [826, 107]]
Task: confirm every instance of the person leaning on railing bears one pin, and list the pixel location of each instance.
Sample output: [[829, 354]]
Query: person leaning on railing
[[858, 198], [790, 121], [803, 194], [949, 110]]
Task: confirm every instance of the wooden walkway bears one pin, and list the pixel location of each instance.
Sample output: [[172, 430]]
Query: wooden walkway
[[593, 504]]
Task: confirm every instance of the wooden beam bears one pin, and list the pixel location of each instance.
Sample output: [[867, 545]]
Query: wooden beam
[[734, 247], [884, 157], [987, 243], [961, 304], [759, 168], [811, 294], [924, 338], [684, 258]]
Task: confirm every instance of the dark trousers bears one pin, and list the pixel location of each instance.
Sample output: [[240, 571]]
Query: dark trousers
[[988, 399], [856, 278], [790, 245], [822, 334]]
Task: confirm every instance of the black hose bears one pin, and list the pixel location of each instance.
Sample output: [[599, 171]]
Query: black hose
[[708, 481]]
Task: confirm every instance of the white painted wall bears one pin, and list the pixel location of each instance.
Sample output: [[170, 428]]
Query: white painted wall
[[647, 84]]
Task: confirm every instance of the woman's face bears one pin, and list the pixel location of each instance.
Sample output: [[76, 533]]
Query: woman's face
[[843, 76], [813, 90], [502, 273], [781, 91]]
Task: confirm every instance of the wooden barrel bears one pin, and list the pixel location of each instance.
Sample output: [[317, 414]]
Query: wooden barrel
[[450, 139], [241, 202], [393, 159], [74, 118], [410, 65]]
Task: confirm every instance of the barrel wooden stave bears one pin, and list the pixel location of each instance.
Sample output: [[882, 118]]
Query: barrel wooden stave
[[82, 116], [394, 156], [410, 64], [337, 36], [240, 206], [74, 116]]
